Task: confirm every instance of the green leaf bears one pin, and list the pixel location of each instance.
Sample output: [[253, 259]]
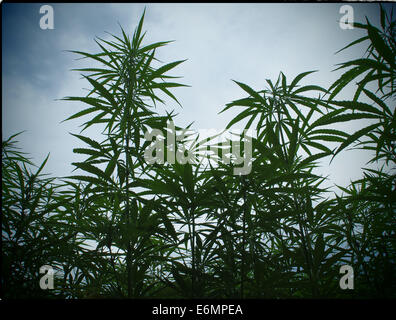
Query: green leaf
[[382, 16], [343, 118], [318, 146], [95, 57], [330, 132], [111, 165], [139, 29], [290, 177], [241, 116], [188, 179], [293, 140], [82, 113], [380, 45], [377, 100], [312, 159], [358, 134], [330, 138], [168, 225], [251, 92], [92, 169], [310, 88], [298, 78], [346, 78], [42, 165], [20, 178], [89, 141], [364, 64], [103, 91], [87, 151], [319, 250], [90, 179], [353, 43], [360, 106], [154, 46], [160, 71]]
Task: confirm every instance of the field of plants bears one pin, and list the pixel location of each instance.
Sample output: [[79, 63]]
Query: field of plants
[[121, 227]]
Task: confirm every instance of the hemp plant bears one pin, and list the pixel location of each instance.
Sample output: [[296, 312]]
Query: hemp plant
[[122, 90], [128, 227]]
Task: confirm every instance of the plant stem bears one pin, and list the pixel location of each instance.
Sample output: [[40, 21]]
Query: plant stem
[[243, 236]]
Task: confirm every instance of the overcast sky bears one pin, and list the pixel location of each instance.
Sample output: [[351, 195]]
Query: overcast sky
[[245, 42]]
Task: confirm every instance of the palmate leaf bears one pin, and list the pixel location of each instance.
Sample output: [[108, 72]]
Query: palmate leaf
[[251, 92], [353, 43], [318, 146], [103, 91], [187, 178], [359, 106], [378, 101], [20, 178], [97, 70], [291, 177], [266, 152], [163, 87], [94, 170], [136, 36], [337, 118], [168, 225], [332, 260], [167, 85], [82, 113], [293, 137], [330, 138], [361, 84], [298, 78], [273, 138], [154, 46], [319, 250], [95, 57], [377, 64], [159, 187], [112, 164], [161, 70], [333, 132], [365, 64], [240, 116], [353, 137], [309, 161], [310, 88], [95, 120], [95, 102], [345, 79], [90, 152], [245, 102], [41, 167], [112, 55], [89, 141], [380, 45]]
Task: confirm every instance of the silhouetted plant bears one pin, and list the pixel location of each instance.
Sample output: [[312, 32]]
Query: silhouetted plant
[[126, 228]]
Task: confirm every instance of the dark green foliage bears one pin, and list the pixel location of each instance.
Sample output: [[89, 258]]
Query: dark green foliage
[[123, 228]]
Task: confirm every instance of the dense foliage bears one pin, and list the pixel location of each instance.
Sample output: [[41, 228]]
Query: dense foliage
[[127, 228]]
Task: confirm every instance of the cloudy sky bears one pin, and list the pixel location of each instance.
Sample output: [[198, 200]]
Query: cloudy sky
[[245, 42]]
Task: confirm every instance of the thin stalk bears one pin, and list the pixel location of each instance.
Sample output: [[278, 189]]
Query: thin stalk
[[243, 236], [302, 228], [129, 248], [193, 251]]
